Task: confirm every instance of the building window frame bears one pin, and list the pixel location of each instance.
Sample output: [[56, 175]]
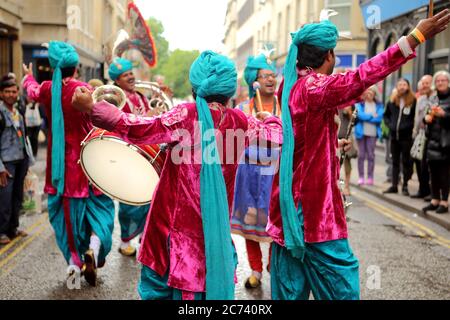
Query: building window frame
[[336, 7]]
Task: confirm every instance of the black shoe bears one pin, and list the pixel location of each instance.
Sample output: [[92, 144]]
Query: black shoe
[[427, 198], [405, 191], [430, 207], [391, 189], [417, 196], [90, 268], [442, 209]]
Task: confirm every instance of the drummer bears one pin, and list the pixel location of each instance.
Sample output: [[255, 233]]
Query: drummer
[[187, 250], [131, 218], [83, 218]]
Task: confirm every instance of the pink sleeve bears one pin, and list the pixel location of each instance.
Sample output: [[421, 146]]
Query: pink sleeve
[[270, 129], [32, 88], [140, 130], [341, 90]]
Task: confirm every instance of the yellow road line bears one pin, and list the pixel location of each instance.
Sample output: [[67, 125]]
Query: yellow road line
[[418, 228], [22, 246], [29, 230]]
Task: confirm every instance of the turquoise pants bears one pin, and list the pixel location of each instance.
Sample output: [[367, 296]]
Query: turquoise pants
[[329, 270], [154, 287], [74, 221], [132, 220]]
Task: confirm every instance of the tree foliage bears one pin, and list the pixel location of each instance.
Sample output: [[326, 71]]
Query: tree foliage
[[176, 70], [173, 65]]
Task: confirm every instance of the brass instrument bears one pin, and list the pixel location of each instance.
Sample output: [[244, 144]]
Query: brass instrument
[[111, 94], [347, 203], [158, 99]]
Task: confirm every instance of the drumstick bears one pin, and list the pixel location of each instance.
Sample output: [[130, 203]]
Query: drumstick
[[431, 9], [256, 87]]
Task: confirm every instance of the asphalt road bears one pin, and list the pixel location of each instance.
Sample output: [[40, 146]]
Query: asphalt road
[[402, 256]]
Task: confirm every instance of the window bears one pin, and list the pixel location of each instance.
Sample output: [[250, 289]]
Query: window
[[279, 31], [441, 41], [243, 52], [360, 58], [342, 20], [87, 12], [312, 11], [297, 14], [246, 12], [288, 28], [389, 83]]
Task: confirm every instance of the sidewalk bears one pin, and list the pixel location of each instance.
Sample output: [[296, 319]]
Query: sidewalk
[[406, 203]]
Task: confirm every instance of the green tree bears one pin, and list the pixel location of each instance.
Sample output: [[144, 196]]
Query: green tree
[[176, 71], [161, 43]]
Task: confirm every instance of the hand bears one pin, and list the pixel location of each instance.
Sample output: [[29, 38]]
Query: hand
[[432, 26], [4, 178], [263, 115], [345, 144], [82, 100], [152, 112], [28, 71], [428, 118]]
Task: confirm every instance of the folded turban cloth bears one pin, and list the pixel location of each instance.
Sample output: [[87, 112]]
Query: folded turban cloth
[[118, 67], [254, 64], [60, 55], [214, 74], [323, 35]]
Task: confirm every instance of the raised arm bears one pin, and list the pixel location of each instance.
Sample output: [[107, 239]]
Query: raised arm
[[140, 130], [340, 90], [30, 84]]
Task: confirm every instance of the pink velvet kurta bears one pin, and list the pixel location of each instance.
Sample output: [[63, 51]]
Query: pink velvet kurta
[[173, 236], [76, 127], [136, 101], [314, 102]]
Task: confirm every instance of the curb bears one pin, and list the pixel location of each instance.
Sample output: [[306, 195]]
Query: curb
[[443, 222]]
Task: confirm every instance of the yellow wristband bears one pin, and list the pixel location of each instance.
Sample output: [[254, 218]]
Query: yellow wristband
[[419, 35], [415, 37]]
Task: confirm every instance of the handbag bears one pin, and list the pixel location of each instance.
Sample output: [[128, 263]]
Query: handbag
[[418, 147]]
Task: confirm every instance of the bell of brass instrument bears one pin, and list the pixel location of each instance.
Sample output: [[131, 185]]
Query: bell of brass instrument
[[111, 94], [158, 99]]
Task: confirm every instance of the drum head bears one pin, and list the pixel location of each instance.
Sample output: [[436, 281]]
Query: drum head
[[120, 170]]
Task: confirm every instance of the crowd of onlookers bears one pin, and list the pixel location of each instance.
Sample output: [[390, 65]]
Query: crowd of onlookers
[[416, 130]]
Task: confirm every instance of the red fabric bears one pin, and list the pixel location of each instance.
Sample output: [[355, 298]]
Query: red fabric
[[254, 255]]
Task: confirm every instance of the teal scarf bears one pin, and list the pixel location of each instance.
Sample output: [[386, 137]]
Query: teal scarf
[[323, 35], [213, 74], [61, 55]]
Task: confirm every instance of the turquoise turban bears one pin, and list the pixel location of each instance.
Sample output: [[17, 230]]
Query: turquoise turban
[[254, 64], [323, 35], [214, 74], [118, 67], [60, 55]]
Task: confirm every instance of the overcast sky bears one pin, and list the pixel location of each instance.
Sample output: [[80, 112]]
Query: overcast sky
[[189, 24]]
